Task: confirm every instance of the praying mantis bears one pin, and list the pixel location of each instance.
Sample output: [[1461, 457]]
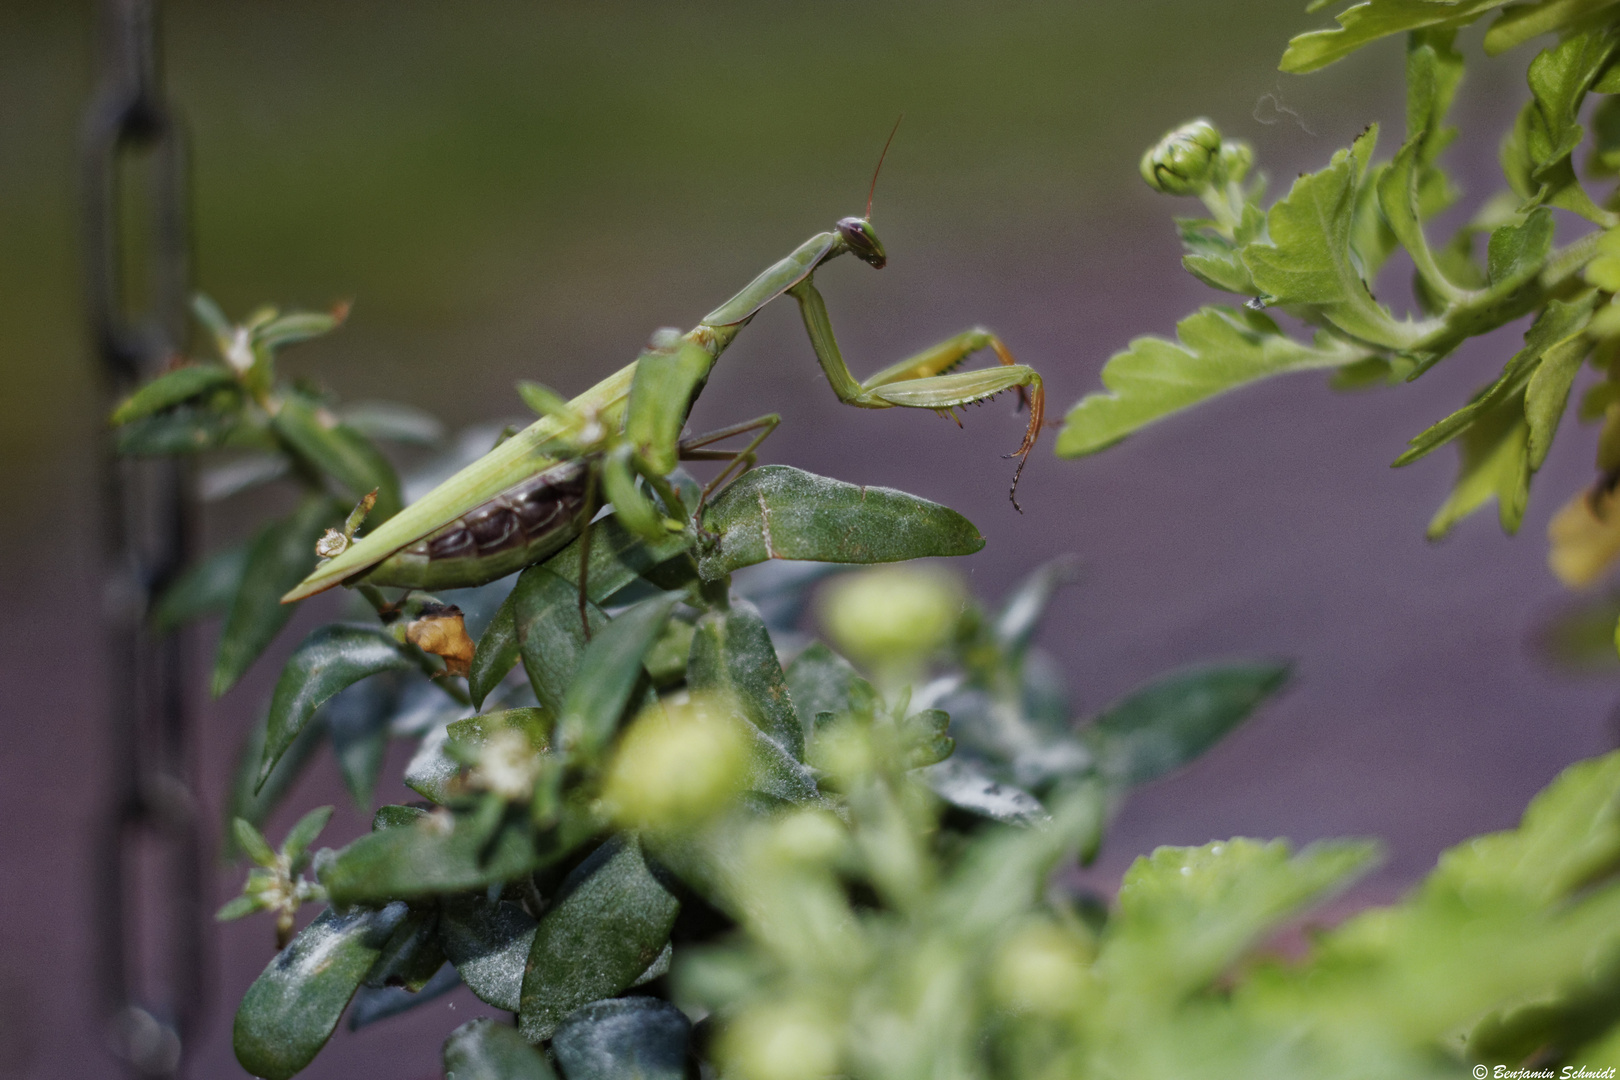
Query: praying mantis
[[537, 490]]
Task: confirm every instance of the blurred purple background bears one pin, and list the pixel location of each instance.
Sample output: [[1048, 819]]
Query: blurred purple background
[[515, 191]]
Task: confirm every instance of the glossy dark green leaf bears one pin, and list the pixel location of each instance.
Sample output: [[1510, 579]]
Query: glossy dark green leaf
[[380, 1003], [1175, 718], [640, 1037], [292, 1008], [611, 919], [618, 557], [171, 388], [485, 1049], [330, 659], [439, 853], [609, 675], [496, 654], [489, 943], [966, 785], [820, 680], [413, 954], [550, 633], [732, 651], [278, 559], [777, 512], [254, 802], [206, 588], [357, 719], [342, 454]]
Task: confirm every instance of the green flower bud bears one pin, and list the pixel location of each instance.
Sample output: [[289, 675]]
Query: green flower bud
[[1182, 161], [1237, 157], [896, 615], [678, 764]]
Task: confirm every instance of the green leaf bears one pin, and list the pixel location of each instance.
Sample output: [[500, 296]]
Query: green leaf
[[439, 853], [303, 834], [1220, 349], [968, 786], [777, 512], [1202, 907], [371, 1005], [1547, 394], [292, 1008], [611, 919], [819, 680], [394, 422], [486, 1049], [923, 734], [342, 454], [184, 429], [1433, 70], [551, 635], [295, 327], [253, 843], [330, 659], [256, 806], [1021, 612], [1568, 838], [239, 907], [1365, 22], [496, 654], [412, 956], [608, 677], [1308, 262], [638, 1037], [1559, 80], [1176, 718], [1495, 452], [489, 943], [357, 720], [1521, 22], [618, 557], [205, 588], [170, 389], [277, 560], [1559, 324], [393, 816], [732, 651]]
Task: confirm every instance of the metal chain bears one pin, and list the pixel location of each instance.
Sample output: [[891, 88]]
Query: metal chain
[[148, 864]]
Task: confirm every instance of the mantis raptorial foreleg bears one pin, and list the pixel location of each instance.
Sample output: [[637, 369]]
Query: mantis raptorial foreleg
[[925, 381]]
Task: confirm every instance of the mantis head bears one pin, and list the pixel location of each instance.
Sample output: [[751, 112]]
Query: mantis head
[[861, 239]]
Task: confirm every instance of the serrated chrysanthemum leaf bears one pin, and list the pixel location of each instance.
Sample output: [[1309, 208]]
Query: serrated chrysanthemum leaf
[[1370, 20], [611, 919], [1220, 349], [1495, 453], [1308, 263], [330, 659], [778, 512], [276, 561], [1175, 718], [485, 1049], [292, 1008], [1523, 21]]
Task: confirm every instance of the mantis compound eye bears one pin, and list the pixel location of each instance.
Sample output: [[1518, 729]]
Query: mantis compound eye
[[858, 234]]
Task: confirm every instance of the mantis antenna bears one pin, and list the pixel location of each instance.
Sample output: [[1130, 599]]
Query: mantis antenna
[[873, 189]]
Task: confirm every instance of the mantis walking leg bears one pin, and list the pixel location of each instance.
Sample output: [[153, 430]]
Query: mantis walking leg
[[693, 449]]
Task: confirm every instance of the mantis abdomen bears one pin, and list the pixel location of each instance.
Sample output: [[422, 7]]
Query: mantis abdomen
[[520, 526]]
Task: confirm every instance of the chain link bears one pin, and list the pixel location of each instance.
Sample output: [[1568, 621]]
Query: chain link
[[149, 884]]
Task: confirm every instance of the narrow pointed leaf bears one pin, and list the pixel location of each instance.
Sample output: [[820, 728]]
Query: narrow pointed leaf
[[609, 673], [170, 389], [611, 920], [1218, 349], [1021, 612], [968, 786], [330, 659], [255, 802], [205, 589], [253, 843], [1176, 718], [486, 1049], [1495, 453], [296, 326], [292, 1008], [639, 1037], [342, 454], [496, 654], [732, 651], [777, 512], [357, 719], [277, 558], [303, 834]]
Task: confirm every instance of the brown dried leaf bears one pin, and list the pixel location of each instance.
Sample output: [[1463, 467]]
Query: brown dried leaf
[[442, 631]]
